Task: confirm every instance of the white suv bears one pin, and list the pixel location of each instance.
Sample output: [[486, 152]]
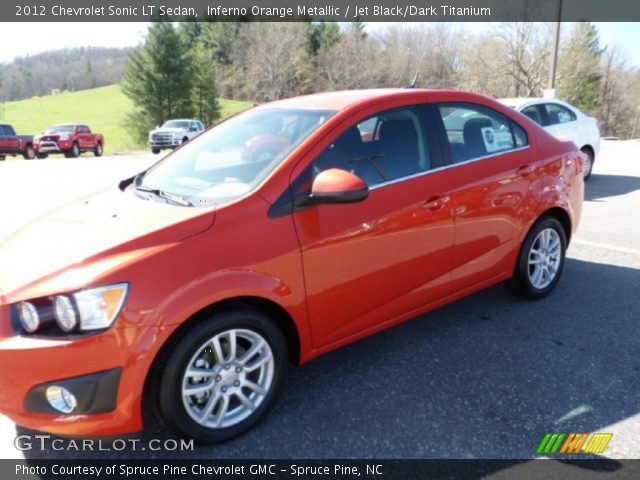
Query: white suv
[[174, 133], [563, 121]]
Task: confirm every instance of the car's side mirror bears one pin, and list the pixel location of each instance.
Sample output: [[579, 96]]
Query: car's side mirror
[[337, 186]]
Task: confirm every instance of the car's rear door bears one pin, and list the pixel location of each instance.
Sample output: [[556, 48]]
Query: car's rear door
[[492, 173], [562, 122], [368, 262]]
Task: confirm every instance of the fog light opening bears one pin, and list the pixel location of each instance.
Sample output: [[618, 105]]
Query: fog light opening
[[61, 399]]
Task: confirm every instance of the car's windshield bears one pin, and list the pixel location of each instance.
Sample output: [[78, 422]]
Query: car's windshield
[[62, 129], [176, 124], [232, 158]]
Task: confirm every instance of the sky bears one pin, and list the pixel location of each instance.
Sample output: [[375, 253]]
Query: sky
[[32, 38]]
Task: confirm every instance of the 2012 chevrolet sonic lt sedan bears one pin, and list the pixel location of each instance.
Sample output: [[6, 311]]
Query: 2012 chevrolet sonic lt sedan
[[280, 234]]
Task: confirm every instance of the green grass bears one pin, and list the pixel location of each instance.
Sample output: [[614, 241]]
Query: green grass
[[104, 109]]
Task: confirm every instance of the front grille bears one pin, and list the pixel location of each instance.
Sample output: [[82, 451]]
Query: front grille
[[49, 138]]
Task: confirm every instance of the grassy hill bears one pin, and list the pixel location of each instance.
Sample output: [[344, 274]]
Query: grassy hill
[[104, 109]]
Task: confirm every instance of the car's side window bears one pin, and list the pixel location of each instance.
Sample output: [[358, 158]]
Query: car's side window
[[384, 147], [475, 131], [559, 114], [533, 112]]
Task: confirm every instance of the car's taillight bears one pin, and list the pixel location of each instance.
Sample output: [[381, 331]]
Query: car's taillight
[[580, 159]]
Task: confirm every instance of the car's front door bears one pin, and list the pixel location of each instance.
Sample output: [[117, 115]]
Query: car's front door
[[368, 262], [494, 180]]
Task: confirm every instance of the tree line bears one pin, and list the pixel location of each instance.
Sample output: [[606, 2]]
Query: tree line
[[68, 69], [182, 69]]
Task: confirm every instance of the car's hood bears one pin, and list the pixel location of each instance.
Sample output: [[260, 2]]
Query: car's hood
[[107, 223]]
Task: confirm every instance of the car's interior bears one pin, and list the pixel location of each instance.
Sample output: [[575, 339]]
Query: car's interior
[[379, 149]]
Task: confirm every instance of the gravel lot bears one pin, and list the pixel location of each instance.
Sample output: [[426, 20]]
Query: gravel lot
[[485, 377]]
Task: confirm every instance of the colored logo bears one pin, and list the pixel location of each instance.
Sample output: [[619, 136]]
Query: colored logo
[[574, 443]]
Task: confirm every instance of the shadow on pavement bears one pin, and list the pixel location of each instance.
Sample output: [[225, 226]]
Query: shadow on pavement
[[600, 187]]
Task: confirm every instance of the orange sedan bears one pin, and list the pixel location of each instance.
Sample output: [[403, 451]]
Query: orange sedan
[[197, 281]]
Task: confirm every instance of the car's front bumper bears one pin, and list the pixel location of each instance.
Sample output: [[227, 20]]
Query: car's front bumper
[[111, 366]]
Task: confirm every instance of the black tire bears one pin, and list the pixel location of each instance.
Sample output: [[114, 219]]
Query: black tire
[[29, 153], [2, 157], [588, 163], [191, 349], [42, 156], [522, 283], [75, 150], [98, 150], [155, 151], [185, 140]]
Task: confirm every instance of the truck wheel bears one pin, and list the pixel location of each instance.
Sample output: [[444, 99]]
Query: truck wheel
[[155, 151], [98, 151], [42, 156], [75, 150], [29, 153], [2, 157]]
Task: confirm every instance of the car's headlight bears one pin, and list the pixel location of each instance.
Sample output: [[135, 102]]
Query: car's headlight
[[81, 311], [65, 136]]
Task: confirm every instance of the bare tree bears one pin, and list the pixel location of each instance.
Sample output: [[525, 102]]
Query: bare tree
[[274, 58], [512, 60]]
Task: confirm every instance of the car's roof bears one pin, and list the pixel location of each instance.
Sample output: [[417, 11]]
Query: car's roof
[[518, 102], [342, 99]]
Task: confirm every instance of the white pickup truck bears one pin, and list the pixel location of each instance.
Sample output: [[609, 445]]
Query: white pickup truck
[[174, 133]]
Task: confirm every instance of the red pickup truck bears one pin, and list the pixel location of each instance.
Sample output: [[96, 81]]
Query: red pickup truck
[[12, 144], [70, 139]]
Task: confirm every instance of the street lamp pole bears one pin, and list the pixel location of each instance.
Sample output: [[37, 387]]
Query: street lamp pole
[[551, 92]]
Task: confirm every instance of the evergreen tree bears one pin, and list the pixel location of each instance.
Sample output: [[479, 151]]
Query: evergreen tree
[[324, 35], [205, 90], [579, 73], [158, 79]]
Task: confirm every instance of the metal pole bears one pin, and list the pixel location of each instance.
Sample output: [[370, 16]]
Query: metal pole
[[556, 45]]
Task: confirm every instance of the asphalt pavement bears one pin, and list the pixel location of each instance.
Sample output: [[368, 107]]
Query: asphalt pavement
[[485, 377]]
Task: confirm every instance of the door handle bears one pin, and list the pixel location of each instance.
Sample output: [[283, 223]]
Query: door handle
[[436, 202], [523, 170]]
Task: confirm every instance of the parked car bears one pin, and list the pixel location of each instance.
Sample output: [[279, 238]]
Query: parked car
[[70, 139], [174, 133], [12, 144], [193, 284], [565, 122]]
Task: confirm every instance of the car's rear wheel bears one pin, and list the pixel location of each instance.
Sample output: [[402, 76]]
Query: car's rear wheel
[[223, 375], [588, 163], [42, 156], [29, 153], [98, 151], [541, 259]]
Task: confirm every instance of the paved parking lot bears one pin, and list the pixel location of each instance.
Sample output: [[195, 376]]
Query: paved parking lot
[[485, 377]]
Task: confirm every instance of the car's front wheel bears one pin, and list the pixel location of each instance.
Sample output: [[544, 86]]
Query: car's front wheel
[[29, 153], [99, 150], [223, 375], [541, 259]]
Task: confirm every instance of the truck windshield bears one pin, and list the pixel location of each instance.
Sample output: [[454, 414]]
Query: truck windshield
[[231, 159], [62, 129], [183, 124]]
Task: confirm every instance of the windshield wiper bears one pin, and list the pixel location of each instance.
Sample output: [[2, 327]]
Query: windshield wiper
[[166, 195]]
